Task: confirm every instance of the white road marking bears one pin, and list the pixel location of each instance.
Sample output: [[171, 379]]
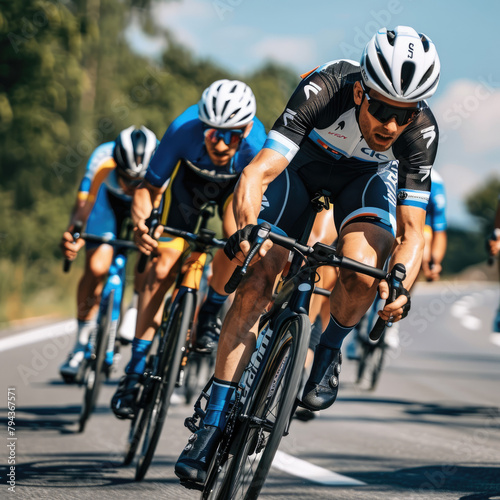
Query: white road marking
[[38, 335], [306, 470], [461, 311]]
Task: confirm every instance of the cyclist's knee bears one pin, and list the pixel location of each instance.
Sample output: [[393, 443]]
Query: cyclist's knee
[[357, 284], [163, 266]]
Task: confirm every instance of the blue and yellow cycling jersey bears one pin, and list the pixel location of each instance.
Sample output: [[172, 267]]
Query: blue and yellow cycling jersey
[[184, 139], [101, 169]]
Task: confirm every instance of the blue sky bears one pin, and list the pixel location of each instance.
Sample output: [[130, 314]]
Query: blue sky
[[241, 35]]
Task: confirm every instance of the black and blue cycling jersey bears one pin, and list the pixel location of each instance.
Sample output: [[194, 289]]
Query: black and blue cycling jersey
[[319, 134]]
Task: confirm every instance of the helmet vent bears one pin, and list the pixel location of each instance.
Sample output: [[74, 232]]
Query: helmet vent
[[407, 72], [425, 42], [373, 74], [391, 37], [426, 75]]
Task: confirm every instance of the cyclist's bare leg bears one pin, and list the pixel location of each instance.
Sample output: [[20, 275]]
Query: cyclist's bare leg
[[354, 293], [160, 275], [97, 263], [350, 299], [238, 336]]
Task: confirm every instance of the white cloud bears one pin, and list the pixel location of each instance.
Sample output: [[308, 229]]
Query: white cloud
[[468, 119], [186, 20], [469, 111]]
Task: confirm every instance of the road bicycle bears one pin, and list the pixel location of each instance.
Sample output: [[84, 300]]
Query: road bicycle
[[166, 366], [94, 369], [266, 397]]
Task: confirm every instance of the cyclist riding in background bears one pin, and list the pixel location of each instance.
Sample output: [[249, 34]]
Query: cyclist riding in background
[[200, 159], [435, 230], [494, 250], [364, 133], [104, 198]]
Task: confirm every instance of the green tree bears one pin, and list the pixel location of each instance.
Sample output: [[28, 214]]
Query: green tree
[[482, 203]]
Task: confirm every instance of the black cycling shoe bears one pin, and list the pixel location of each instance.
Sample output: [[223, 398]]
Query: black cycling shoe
[[207, 333], [195, 458], [124, 401], [322, 386]]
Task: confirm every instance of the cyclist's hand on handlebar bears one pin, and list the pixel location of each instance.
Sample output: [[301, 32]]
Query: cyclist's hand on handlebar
[[396, 310], [238, 245], [145, 243], [69, 246]]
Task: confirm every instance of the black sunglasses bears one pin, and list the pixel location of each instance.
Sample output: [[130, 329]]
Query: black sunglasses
[[383, 112]]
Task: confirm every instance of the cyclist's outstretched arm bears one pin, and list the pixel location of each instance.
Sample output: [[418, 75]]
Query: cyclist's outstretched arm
[[408, 251], [251, 186], [146, 197]]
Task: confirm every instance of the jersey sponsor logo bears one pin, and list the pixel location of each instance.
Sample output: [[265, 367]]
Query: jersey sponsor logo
[[340, 136], [402, 195], [424, 170], [391, 183], [373, 154], [341, 125], [311, 87], [429, 133], [288, 115]]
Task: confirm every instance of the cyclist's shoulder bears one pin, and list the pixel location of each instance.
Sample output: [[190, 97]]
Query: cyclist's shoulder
[[185, 122], [101, 154], [338, 73], [419, 141]]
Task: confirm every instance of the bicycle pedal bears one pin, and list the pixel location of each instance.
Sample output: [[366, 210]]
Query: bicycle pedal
[[190, 485]]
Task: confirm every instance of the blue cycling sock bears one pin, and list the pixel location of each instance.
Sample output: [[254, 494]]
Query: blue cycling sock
[[137, 363], [334, 334], [218, 404], [213, 303]]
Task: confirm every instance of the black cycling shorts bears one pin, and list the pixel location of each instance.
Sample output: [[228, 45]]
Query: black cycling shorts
[[366, 194]]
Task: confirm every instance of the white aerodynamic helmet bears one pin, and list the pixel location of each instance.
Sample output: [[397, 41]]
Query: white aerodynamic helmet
[[227, 104], [133, 150], [401, 64]]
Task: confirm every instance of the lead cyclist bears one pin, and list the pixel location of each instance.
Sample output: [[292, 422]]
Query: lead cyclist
[[365, 133]]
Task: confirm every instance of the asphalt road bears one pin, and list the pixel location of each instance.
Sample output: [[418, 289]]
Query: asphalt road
[[431, 430]]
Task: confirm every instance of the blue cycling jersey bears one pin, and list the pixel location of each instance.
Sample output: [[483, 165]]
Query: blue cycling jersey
[[184, 139], [436, 216]]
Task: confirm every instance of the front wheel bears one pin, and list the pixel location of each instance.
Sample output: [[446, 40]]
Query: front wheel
[[258, 433], [173, 351]]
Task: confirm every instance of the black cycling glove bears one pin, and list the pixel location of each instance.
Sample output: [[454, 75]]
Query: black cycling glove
[[406, 308], [248, 233]]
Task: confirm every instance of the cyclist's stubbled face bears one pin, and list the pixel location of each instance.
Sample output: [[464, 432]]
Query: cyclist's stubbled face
[[379, 136], [221, 153]]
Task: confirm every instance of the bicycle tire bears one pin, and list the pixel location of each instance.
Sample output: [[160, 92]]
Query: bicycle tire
[[138, 424], [95, 374], [169, 369], [378, 357], [362, 362], [253, 447]]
